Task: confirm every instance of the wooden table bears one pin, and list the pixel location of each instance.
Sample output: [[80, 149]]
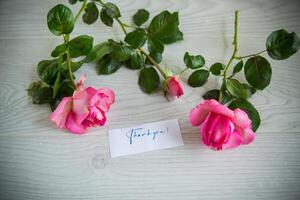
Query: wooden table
[[39, 161]]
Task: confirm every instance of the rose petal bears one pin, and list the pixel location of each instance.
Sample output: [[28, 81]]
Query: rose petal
[[80, 105], [73, 126], [96, 118], [103, 99], [108, 92], [199, 113], [216, 107], [222, 131], [241, 119], [61, 112], [91, 91], [234, 140], [248, 136], [207, 126]]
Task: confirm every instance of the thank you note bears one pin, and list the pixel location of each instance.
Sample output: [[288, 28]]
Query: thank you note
[[145, 137]]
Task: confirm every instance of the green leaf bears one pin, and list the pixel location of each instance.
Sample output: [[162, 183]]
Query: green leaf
[[74, 66], [108, 65], [238, 67], [60, 49], [34, 86], [105, 18], [121, 52], [42, 95], [164, 27], [136, 38], [216, 68], [156, 56], [176, 36], [72, 2], [223, 86], [140, 17], [281, 44], [47, 70], [155, 45], [136, 61], [91, 13], [193, 62], [249, 109], [198, 78], [112, 10], [60, 20], [80, 46], [236, 89], [56, 85], [258, 72], [149, 80], [214, 94], [98, 52], [249, 90], [65, 90]]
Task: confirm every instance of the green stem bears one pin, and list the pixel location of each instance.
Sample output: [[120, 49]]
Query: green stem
[[129, 26], [154, 63], [144, 53], [80, 10], [235, 43], [122, 26], [255, 54], [66, 40], [183, 71], [101, 2]]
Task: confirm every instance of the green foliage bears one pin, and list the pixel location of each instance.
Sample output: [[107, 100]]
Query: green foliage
[[136, 61], [91, 13], [214, 94], [198, 78], [236, 89], [216, 68], [155, 45], [47, 70], [107, 65], [238, 67], [149, 80], [193, 62], [112, 10], [281, 44], [72, 1], [164, 27], [60, 20], [80, 46], [105, 18], [98, 52], [140, 17], [136, 38], [258, 72]]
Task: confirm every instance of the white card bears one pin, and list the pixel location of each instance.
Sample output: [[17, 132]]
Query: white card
[[145, 137]]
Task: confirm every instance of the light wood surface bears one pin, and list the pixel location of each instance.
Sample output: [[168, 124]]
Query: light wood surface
[[39, 161]]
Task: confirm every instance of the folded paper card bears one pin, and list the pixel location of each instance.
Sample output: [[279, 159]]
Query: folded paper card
[[145, 137]]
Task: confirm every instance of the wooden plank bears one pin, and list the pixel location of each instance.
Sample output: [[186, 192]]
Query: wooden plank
[[38, 161]]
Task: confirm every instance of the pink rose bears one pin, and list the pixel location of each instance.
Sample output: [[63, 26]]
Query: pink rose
[[222, 128], [86, 108], [174, 86]]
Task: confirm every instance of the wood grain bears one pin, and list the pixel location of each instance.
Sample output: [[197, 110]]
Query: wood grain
[[38, 161]]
